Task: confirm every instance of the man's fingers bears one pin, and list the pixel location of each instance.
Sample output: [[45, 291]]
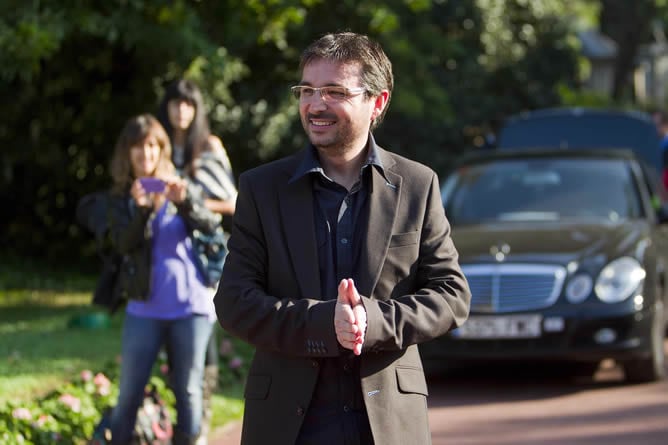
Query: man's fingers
[[352, 294], [341, 325], [359, 315], [342, 296]]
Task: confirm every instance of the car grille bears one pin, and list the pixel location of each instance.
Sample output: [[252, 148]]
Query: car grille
[[499, 288]]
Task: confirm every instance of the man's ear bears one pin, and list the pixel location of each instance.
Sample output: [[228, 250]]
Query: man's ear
[[379, 104]]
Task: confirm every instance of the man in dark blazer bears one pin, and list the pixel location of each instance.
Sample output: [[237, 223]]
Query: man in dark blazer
[[340, 263]]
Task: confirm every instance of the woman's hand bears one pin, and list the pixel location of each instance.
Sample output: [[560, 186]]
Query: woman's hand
[[176, 189], [141, 197]]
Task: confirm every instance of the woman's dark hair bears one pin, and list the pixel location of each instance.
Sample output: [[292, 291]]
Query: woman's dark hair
[[198, 131]]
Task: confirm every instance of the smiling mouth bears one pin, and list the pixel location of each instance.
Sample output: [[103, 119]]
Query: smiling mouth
[[321, 120], [321, 123]]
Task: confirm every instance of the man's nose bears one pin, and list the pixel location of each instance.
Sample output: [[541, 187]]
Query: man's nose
[[318, 102]]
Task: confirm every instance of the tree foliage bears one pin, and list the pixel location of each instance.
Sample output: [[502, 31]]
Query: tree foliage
[[72, 72]]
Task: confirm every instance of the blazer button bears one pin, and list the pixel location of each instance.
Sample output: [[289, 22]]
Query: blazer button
[[300, 411]]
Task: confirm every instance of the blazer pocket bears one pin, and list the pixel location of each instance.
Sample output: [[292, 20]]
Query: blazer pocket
[[404, 239], [412, 380], [257, 387]]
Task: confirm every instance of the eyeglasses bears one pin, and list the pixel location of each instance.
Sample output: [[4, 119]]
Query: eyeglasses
[[328, 94]]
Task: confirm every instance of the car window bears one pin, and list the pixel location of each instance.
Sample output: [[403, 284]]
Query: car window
[[542, 189]]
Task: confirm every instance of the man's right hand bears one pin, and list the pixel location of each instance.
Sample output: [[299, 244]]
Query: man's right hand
[[350, 317]]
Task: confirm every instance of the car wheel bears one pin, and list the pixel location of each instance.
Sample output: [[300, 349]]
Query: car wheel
[[652, 368]]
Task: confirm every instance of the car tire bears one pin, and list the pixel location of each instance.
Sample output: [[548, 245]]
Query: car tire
[[652, 368]]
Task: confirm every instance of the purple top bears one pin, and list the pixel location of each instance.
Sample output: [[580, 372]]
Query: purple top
[[177, 286]]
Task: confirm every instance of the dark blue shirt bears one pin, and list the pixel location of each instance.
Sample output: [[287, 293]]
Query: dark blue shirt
[[336, 414]]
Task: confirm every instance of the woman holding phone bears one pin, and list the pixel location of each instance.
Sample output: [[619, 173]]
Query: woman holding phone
[[201, 156], [153, 211]]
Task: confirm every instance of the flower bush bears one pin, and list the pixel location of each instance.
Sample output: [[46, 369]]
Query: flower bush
[[65, 416], [69, 414]]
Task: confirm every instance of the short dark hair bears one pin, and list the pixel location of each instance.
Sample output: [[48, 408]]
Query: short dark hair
[[351, 47]]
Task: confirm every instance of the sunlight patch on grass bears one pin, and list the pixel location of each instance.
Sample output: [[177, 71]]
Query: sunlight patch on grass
[[227, 405], [26, 387], [41, 349], [22, 297]]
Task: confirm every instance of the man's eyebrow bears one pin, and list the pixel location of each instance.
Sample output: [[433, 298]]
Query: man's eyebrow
[[308, 84]]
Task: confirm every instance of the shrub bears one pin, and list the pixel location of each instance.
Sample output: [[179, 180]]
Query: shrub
[[69, 414], [64, 416]]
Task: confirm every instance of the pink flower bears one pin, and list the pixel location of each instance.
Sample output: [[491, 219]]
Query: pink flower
[[22, 413], [164, 369], [236, 362], [71, 401], [226, 347], [103, 390], [41, 421], [101, 380], [86, 375]]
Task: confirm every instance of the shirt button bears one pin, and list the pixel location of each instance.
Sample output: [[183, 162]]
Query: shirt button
[[346, 408], [344, 240]]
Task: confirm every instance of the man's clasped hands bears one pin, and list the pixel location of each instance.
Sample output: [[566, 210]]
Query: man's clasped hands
[[350, 317]]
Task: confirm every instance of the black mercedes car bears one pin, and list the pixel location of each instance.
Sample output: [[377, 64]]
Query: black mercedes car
[[566, 253]]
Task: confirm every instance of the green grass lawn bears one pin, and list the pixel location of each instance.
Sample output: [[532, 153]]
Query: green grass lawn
[[40, 349]]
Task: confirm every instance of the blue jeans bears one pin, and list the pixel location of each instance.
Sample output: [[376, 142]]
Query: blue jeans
[[142, 339]]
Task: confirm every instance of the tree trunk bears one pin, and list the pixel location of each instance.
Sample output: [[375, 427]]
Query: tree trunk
[[628, 23]]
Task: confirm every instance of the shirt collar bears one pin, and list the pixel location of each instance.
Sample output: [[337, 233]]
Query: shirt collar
[[311, 162]]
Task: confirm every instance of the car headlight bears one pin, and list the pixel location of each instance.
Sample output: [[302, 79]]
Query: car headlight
[[619, 279], [578, 288]]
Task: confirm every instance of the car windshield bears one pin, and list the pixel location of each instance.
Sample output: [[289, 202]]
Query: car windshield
[[542, 189]]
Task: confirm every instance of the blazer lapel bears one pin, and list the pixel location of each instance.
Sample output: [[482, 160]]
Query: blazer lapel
[[383, 206], [296, 203]]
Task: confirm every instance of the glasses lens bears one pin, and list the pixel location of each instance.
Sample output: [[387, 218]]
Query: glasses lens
[[303, 92], [334, 93]]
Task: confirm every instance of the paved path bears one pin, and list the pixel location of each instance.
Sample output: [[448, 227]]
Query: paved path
[[525, 407]]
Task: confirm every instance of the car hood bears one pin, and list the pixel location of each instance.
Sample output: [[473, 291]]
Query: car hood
[[547, 243]]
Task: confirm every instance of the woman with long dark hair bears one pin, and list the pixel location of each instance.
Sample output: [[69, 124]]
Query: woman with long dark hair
[[201, 156]]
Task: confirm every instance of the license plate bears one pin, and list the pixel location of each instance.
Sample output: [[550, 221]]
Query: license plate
[[505, 326]]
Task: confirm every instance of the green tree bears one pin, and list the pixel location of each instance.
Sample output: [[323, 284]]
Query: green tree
[[72, 72]]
